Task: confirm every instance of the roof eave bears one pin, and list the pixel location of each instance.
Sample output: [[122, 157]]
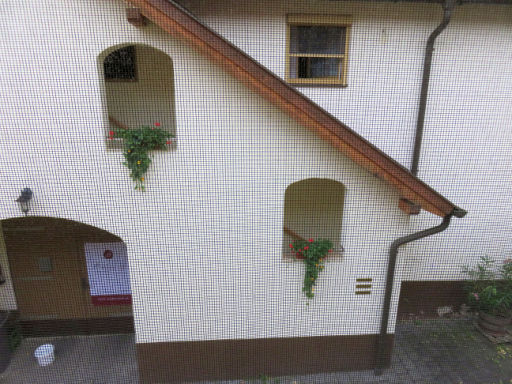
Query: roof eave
[[174, 19]]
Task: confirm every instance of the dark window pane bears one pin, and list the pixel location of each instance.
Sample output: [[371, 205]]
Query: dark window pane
[[321, 67], [302, 69], [317, 39], [314, 67], [120, 64]]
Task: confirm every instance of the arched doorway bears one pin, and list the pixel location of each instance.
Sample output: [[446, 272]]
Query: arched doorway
[[68, 277]]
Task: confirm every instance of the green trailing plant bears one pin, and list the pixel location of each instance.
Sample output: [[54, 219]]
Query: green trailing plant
[[313, 253], [490, 286], [137, 143]]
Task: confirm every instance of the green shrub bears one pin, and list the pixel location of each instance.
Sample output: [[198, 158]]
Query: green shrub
[[490, 286]]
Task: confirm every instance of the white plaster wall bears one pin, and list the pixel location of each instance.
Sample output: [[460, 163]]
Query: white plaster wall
[[385, 58], [204, 240], [467, 148]]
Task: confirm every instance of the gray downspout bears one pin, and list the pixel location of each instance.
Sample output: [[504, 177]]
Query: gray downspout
[[427, 63], [393, 252]]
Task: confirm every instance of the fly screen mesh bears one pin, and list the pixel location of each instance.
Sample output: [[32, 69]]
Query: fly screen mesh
[[255, 191]]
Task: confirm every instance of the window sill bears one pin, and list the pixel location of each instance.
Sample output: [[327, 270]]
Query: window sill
[[121, 80], [316, 83], [117, 144], [333, 256]]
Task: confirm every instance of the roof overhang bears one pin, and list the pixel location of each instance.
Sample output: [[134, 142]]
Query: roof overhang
[[177, 21]]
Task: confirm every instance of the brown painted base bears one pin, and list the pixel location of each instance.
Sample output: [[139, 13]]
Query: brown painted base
[[423, 298], [175, 362], [40, 328]]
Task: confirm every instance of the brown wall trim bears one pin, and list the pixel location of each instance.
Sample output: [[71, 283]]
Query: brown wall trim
[[421, 299], [58, 327], [175, 362]]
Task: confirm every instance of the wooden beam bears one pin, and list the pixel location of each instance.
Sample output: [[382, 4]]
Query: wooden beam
[[135, 17], [409, 207]]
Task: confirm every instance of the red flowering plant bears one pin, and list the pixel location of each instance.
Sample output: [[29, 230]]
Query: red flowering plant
[[490, 286], [313, 253], [136, 146]]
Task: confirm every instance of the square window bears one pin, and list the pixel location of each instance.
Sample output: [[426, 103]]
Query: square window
[[317, 49]]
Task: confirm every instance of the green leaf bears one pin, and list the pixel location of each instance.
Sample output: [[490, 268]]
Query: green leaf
[[137, 143]]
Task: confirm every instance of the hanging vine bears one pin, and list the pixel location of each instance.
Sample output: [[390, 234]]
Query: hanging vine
[[313, 253], [137, 143]]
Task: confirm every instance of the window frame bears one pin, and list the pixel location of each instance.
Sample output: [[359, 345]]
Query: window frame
[[318, 20]]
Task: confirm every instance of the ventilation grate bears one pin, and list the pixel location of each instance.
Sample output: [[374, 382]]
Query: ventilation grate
[[363, 286]]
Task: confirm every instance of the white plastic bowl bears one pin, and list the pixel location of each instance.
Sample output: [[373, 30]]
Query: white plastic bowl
[[45, 354]]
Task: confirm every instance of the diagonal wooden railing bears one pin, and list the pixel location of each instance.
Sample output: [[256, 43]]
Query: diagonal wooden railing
[[296, 236], [117, 123]]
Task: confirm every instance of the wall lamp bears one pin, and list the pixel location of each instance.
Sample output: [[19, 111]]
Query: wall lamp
[[24, 200]]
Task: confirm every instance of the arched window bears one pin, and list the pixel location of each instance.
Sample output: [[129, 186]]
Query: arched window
[[313, 208], [138, 86]]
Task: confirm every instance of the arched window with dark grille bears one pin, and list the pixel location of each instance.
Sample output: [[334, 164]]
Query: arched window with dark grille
[[138, 88]]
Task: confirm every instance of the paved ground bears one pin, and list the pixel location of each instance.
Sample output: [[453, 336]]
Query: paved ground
[[78, 359], [426, 352], [429, 352]]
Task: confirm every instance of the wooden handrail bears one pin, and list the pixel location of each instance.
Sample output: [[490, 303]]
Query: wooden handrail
[[296, 236], [117, 123]]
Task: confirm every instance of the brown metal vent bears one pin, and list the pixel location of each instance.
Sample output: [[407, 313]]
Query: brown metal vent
[[363, 286]]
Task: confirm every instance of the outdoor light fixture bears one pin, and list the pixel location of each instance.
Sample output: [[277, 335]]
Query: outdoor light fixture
[[24, 199]]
